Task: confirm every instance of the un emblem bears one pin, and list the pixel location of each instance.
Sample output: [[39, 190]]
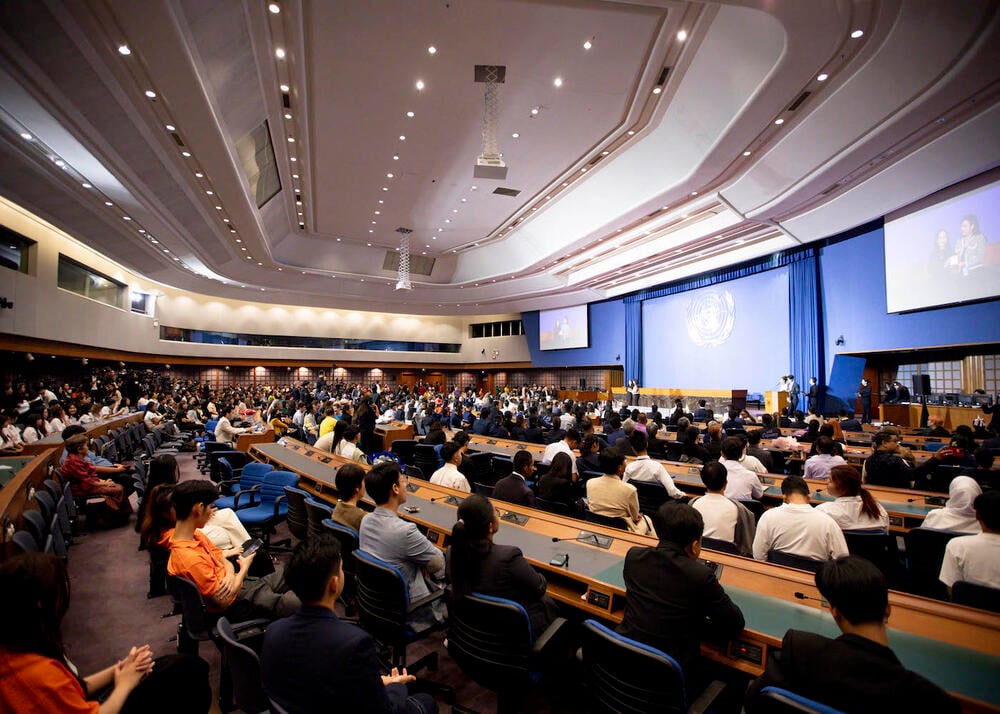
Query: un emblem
[[710, 318]]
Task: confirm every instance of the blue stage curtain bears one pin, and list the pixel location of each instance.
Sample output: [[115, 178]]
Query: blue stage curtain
[[633, 339], [805, 320]]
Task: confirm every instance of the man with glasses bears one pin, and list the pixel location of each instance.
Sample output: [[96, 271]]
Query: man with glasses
[[398, 542], [885, 467]]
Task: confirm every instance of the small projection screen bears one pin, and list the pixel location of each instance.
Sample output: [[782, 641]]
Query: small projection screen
[[563, 329]]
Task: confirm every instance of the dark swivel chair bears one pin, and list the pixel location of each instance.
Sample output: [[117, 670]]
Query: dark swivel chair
[[880, 548], [609, 521], [980, 596], [794, 561], [924, 555], [243, 668], [774, 700]]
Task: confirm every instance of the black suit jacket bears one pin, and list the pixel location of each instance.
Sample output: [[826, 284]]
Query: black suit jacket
[[851, 673], [513, 489], [668, 598], [313, 662]]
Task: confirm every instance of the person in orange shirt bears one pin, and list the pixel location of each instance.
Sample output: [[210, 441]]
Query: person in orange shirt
[[36, 676], [223, 587]]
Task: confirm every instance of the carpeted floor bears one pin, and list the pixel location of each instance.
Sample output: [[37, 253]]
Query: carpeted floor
[[109, 613]]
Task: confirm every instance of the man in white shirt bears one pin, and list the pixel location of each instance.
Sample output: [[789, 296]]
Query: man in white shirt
[[224, 430], [818, 466], [449, 475], [742, 483], [567, 420], [976, 558], [568, 443], [645, 469], [725, 519], [797, 528]]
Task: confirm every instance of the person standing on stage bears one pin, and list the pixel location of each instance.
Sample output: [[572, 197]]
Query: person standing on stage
[[865, 392]]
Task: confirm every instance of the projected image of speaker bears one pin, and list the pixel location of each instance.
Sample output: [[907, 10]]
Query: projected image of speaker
[[921, 384]]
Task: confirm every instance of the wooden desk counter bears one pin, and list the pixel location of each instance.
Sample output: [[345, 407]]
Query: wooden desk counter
[[32, 470], [392, 431], [245, 441], [94, 430], [957, 647]]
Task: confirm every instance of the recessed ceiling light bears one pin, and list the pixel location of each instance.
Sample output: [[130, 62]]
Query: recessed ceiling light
[[374, 222], [557, 81], [682, 35], [447, 220], [124, 50], [249, 257], [298, 203], [631, 133], [605, 153], [432, 50], [515, 135], [823, 77], [565, 184], [210, 192], [371, 230], [239, 240], [475, 188], [409, 114], [26, 136], [199, 174], [151, 94], [86, 185], [694, 193], [587, 45], [291, 140], [684, 215], [440, 230], [338, 240], [369, 245], [283, 87], [534, 112], [186, 154], [378, 213], [583, 170], [219, 208], [465, 200], [389, 175], [288, 115], [779, 122], [657, 90], [385, 188], [420, 85], [301, 213], [746, 153], [454, 210], [108, 203], [381, 201], [275, 9], [279, 53], [126, 218], [856, 34], [402, 137], [293, 159]]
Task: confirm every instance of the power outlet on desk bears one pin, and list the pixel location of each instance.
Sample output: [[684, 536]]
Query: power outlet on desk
[[935, 500], [741, 649], [896, 521], [412, 487], [515, 518], [599, 599], [433, 536]]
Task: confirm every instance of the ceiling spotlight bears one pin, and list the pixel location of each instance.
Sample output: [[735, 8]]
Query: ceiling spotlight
[[199, 174], [283, 87], [210, 192], [534, 112], [124, 50], [779, 122], [151, 94], [126, 218], [385, 188], [587, 45], [682, 35], [605, 153], [465, 200], [389, 175], [746, 153], [420, 85], [26, 136], [291, 140], [381, 201], [447, 220], [186, 154], [274, 8], [557, 81], [409, 114], [432, 50], [60, 163], [395, 157], [171, 127], [822, 77], [402, 137], [454, 210], [475, 187], [293, 159], [694, 193], [86, 185], [378, 213], [288, 115], [856, 34], [657, 90], [369, 245], [371, 230], [373, 223], [440, 230], [515, 135], [108, 203], [631, 133], [279, 53]]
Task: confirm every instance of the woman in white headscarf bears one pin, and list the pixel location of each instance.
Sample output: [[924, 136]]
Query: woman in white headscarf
[[958, 513]]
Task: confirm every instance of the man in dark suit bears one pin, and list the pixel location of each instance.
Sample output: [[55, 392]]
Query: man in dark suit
[[794, 390], [848, 422], [313, 662], [513, 488], [670, 593], [865, 392], [812, 396], [857, 672], [701, 413]]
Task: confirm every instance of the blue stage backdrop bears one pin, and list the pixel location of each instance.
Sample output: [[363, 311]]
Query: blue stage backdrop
[[733, 333]]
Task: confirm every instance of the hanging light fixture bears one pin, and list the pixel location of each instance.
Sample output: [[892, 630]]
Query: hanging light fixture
[[403, 273]]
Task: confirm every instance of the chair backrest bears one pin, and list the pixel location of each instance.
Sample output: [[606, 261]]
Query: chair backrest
[[405, 449], [722, 546], [244, 671], [253, 473], [316, 512], [609, 521], [629, 677], [964, 593], [414, 472], [673, 451], [426, 458], [348, 538], [794, 561], [383, 596], [651, 496], [197, 621], [924, 555], [754, 506], [503, 466], [53, 488], [25, 541], [482, 463], [273, 486], [56, 536], [483, 489], [224, 469], [553, 507], [490, 639], [298, 516], [880, 548], [210, 427], [774, 700], [46, 504], [36, 525]]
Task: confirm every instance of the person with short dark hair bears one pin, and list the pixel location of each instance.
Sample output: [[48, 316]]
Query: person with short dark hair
[[566, 445], [672, 600], [818, 466], [885, 467], [976, 558], [84, 482], [222, 587], [857, 672], [797, 528], [645, 470], [449, 475], [725, 518], [312, 661], [513, 488], [399, 542], [350, 483], [743, 484], [225, 432]]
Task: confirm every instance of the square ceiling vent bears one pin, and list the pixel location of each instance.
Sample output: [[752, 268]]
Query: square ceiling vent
[[511, 192]]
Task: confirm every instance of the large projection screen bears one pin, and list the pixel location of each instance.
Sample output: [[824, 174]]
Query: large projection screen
[[563, 329], [944, 254]]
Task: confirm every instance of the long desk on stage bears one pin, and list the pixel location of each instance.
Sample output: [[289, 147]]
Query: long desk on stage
[[906, 508], [956, 647]]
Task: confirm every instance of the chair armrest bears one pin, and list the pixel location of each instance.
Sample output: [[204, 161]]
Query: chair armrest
[[277, 506], [425, 600], [250, 628], [250, 493], [705, 699], [543, 640]]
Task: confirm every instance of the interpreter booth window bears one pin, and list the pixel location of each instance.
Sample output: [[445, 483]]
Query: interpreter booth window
[[78, 278], [14, 250], [142, 303]]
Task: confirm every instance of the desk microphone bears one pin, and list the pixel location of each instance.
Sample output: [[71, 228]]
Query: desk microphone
[[450, 500], [803, 596], [560, 540]]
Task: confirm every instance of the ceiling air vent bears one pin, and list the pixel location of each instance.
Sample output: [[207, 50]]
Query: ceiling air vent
[[259, 168], [511, 192], [663, 77], [801, 98], [419, 264]]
